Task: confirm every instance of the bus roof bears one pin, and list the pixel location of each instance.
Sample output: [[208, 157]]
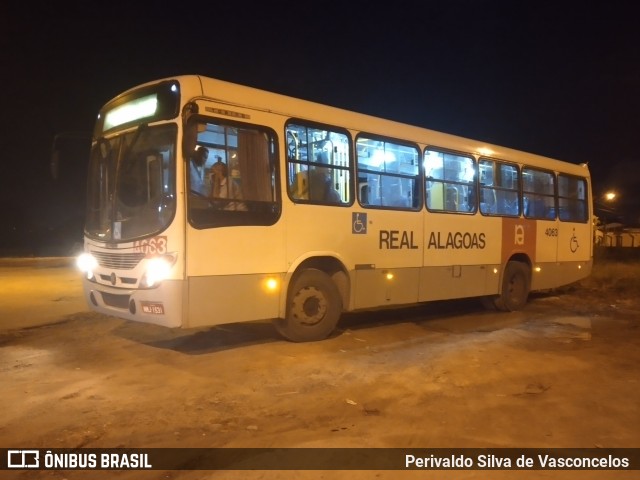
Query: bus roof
[[254, 98]]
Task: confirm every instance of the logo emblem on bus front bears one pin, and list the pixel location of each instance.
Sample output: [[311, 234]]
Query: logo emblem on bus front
[[113, 278]]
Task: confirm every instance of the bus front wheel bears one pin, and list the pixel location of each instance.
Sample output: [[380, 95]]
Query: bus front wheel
[[516, 283], [314, 306]]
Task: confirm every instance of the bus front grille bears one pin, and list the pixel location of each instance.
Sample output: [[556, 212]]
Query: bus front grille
[[114, 300], [120, 261]]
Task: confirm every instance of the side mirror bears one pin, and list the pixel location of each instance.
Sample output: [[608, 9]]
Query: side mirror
[[66, 142], [190, 130]]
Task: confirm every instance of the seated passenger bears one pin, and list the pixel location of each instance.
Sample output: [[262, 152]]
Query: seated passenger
[[224, 188], [299, 187], [321, 188]]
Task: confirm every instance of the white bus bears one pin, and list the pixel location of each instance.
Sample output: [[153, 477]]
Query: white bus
[[321, 211]]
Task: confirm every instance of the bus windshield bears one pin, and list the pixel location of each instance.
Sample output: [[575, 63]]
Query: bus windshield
[[132, 187]]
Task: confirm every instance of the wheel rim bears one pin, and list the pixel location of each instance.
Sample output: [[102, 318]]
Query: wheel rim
[[309, 306]]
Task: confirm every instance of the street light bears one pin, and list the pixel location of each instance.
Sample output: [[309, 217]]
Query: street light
[[609, 198]]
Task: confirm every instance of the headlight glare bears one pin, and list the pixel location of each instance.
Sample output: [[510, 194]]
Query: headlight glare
[[158, 269], [86, 263]]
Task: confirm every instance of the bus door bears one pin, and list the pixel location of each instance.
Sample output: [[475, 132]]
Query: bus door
[[234, 240]]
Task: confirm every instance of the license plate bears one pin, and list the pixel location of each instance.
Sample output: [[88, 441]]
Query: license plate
[[152, 308]]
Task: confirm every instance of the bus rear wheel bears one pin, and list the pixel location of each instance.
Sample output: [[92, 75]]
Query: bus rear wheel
[[314, 306], [516, 283]]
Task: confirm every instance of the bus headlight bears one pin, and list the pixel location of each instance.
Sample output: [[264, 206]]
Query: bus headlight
[[86, 263], [158, 269]]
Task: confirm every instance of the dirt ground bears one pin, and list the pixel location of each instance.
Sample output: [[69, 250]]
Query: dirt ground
[[564, 372]]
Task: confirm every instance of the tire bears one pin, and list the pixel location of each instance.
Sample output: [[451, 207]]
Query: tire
[[516, 282], [314, 306]]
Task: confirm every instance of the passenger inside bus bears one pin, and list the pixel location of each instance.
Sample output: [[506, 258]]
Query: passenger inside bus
[[225, 191], [196, 171], [451, 198], [299, 187], [323, 183], [320, 186], [316, 183]]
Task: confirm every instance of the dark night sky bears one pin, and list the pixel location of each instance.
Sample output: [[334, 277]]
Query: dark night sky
[[559, 80]]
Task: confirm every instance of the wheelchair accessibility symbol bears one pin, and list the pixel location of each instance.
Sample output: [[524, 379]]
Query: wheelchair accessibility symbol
[[359, 223], [573, 242]]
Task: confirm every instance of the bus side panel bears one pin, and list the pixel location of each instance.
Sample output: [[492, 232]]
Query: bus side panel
[[381, 249], [574, 252], [574, 242], [228, 273], [379, 287], [545, 260], [460, 256], [457, 281], [219, 299], [546, 241]]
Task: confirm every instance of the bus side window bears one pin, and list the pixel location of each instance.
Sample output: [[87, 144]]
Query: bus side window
[[319, 165], [571, 199], [499, 185], [539, 194], [243, 188], [451, 181], [389, 169]]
